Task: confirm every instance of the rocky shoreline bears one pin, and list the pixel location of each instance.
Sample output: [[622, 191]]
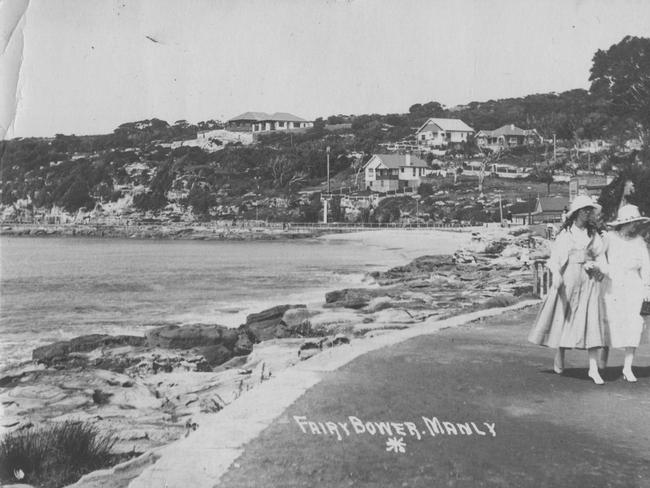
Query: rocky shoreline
[[146, 390], [174, 232]]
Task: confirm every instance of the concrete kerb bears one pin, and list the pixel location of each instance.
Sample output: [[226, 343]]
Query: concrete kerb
[[200, 459]]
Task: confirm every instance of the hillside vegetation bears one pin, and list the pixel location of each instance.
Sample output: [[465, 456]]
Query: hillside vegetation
[[137, 160]]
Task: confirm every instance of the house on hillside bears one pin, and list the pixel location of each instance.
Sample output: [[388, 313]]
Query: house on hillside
[[509, 171], [442, 133], [545, 210], [507, 136], [261, 122], [592, 147], [390, 172]]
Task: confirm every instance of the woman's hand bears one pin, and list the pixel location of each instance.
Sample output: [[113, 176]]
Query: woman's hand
[[593, 270]]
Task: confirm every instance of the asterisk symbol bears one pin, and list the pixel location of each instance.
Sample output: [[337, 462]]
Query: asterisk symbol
[[396, 445]]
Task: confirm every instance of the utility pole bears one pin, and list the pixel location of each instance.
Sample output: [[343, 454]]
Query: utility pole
[[500, 210], [326, 200], [554, 150], [530, 198], [328, 170]]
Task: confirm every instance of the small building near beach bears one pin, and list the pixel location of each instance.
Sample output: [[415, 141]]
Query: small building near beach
[[545, 210], [391, 172]]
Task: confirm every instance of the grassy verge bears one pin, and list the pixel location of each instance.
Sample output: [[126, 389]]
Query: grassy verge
[[55, 455]]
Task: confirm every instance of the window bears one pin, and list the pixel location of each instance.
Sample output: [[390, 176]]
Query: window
[[413, 171], [402, 170], [281, 124]]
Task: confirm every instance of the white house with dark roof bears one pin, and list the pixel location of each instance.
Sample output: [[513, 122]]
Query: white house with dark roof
[[507, 136], [390, 172], [245, 121], [261, 122], [439, 133]]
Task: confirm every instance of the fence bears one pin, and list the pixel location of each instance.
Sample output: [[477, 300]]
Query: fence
[[345, 226]]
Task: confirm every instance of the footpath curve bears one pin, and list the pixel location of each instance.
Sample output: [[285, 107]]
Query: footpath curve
[[200, 459]]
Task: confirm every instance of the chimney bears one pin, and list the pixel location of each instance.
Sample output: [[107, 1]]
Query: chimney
[[512, 126], [408, 159]]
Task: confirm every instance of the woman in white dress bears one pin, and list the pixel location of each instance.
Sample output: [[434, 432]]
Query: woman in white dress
[[571, 316], [627, 284]]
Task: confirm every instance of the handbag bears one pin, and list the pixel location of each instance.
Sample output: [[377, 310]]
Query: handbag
[[645, 307]]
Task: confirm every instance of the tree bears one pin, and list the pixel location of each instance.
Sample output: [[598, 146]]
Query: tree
[[621, 75], [280, 170], [77, 196], [338, 212], [457, 172], [470, 147], [200, 199], [543, 175], [425, 189], [610, 196]]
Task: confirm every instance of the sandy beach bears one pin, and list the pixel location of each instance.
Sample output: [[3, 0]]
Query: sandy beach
[[409, 244]]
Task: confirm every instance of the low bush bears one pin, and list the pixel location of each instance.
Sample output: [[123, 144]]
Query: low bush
[[519, 231], [54, 455], [500, 301]]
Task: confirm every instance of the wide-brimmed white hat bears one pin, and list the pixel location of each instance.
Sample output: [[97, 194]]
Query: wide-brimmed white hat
[[581, 201], [628, 214]]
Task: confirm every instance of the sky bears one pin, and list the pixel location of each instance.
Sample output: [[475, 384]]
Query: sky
[[87, 66]]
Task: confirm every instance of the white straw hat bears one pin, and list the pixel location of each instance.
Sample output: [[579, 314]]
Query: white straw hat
[[628, 214], [581, 201]]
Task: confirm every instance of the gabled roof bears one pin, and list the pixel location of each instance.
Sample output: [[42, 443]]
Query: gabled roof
[[250, 116], [508, 130], [553, 204], [285, 117], [448, 125], [263, 116], [396, 161]]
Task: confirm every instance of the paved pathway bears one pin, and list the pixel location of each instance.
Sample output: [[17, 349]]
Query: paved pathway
[[391, 416], [551, 431]]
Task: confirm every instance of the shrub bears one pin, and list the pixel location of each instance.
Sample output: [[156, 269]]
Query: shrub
[[54, 455], [500, 301], [496, 247], [519, 231]]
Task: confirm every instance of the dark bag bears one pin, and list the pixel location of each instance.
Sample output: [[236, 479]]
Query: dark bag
[[645, 307]]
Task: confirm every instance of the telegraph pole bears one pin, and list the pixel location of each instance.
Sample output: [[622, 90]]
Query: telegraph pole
[[326, 200], [328, 171], [500, 210], [554, 150]]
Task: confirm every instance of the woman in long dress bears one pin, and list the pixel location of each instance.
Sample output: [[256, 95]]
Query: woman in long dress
[[627, 284], [571, 316]]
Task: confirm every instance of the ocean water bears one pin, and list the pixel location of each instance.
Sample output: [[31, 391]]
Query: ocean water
[[56, 288]]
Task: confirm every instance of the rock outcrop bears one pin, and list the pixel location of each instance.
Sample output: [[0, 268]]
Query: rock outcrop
[[59, 351], [270, 324]]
